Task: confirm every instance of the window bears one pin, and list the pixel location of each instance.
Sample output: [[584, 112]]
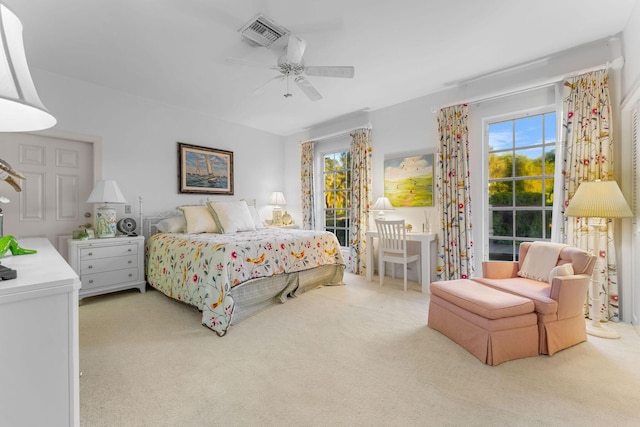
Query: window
[[520, 172], [337, 195]]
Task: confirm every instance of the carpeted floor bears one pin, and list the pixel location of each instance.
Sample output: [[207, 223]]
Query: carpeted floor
[[356, 355]]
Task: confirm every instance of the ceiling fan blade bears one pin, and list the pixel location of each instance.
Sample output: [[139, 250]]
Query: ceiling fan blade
[[295, 49], [329, 71], [260, 89], [308, 89]]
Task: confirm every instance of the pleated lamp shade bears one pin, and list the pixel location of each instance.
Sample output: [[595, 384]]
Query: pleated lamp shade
[[598, 199]]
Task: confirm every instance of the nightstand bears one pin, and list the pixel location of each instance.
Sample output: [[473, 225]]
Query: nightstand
[[109, 264]]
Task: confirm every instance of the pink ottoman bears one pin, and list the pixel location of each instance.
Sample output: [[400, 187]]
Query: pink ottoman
[[492, 325]]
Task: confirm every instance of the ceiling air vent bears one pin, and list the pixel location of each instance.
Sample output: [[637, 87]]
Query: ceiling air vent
[[261, 31]]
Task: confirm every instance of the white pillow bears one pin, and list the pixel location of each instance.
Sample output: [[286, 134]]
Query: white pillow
[[232, 216], [199, 219], [560, 270], [176, 224], [256, 217]]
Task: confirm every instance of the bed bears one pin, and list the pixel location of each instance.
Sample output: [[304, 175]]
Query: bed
[[232, 275]]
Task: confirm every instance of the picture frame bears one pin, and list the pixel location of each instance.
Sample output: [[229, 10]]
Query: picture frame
[[408, 180], [91, 234], [204, 170]]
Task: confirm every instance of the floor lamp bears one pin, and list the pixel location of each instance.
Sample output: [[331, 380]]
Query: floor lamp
[[596, 201]]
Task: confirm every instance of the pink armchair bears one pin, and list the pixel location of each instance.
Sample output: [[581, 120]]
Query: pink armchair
[[558, 305]]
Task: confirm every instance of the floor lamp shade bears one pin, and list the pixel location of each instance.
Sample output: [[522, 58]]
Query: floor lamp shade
[[597, 201], [106, 192], [20, 106]]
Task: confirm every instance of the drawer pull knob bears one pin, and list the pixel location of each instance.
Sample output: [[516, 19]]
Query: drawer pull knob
[[91, 266], [90, 280], [129, 249], [90, 254], [130, 274]]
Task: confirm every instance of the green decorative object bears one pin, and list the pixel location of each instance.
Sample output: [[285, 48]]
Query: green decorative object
[[10, 243]]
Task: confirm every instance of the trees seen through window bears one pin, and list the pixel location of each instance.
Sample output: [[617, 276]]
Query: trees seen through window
[[520, 170]]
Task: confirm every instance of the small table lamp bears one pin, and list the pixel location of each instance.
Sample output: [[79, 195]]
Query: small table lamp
[[598, 200], [106, 191], [277, 199], [382, 205]]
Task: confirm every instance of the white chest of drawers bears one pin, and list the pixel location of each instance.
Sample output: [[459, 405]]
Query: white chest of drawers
[[39, 358], [109, 264]]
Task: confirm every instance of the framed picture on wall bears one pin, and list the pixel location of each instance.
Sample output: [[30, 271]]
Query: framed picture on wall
[[204, 170], [408, 180]]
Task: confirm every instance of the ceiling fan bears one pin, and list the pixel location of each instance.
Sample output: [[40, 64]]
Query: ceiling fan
[[291, 66]]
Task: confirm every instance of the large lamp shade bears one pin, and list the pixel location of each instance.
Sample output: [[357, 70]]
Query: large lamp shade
[[598, 199], [20, 106]]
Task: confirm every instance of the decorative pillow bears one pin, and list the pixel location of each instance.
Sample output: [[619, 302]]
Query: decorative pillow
[[176, 224], [540, 260], [560, 270], [199, 219], [232, 216], [256, 217]]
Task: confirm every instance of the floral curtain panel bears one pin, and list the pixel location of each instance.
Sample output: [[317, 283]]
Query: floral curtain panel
[[306, 175], [588, 154], [360, 198], [453, 187]]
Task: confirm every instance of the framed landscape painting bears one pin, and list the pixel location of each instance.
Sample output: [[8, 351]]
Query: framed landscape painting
[[408, 180], [204, 170]]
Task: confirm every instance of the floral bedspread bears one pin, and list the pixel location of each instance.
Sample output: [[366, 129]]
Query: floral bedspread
[[201, 269]]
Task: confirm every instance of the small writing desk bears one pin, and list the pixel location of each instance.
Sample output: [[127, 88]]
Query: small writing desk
[[425, 239]]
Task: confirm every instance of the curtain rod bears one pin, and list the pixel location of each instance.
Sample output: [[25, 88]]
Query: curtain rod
[[334, 134], [616, 64]]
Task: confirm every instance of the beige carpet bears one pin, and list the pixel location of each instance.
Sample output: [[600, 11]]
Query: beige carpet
[[356, 355]]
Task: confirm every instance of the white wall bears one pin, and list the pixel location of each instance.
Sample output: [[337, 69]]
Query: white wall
[[631, 44], [139, 142]]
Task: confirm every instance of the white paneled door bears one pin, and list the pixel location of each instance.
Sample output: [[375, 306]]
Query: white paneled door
[[59, 177]]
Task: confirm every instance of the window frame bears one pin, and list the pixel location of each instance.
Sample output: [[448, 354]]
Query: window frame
[[335, 145], [547, 210]]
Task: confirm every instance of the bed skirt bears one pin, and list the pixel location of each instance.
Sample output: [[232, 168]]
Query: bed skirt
[[255, 295]]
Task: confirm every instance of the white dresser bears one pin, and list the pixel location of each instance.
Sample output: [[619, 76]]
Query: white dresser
[[109, 264], [39, 368]]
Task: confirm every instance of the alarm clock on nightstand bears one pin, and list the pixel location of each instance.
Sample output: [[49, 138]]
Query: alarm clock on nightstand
[[127, 226]]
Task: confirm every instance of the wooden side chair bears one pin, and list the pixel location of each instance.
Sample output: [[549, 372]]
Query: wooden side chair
[[392, 247]]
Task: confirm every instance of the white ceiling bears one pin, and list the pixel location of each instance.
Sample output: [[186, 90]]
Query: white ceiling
[[174, 51]]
